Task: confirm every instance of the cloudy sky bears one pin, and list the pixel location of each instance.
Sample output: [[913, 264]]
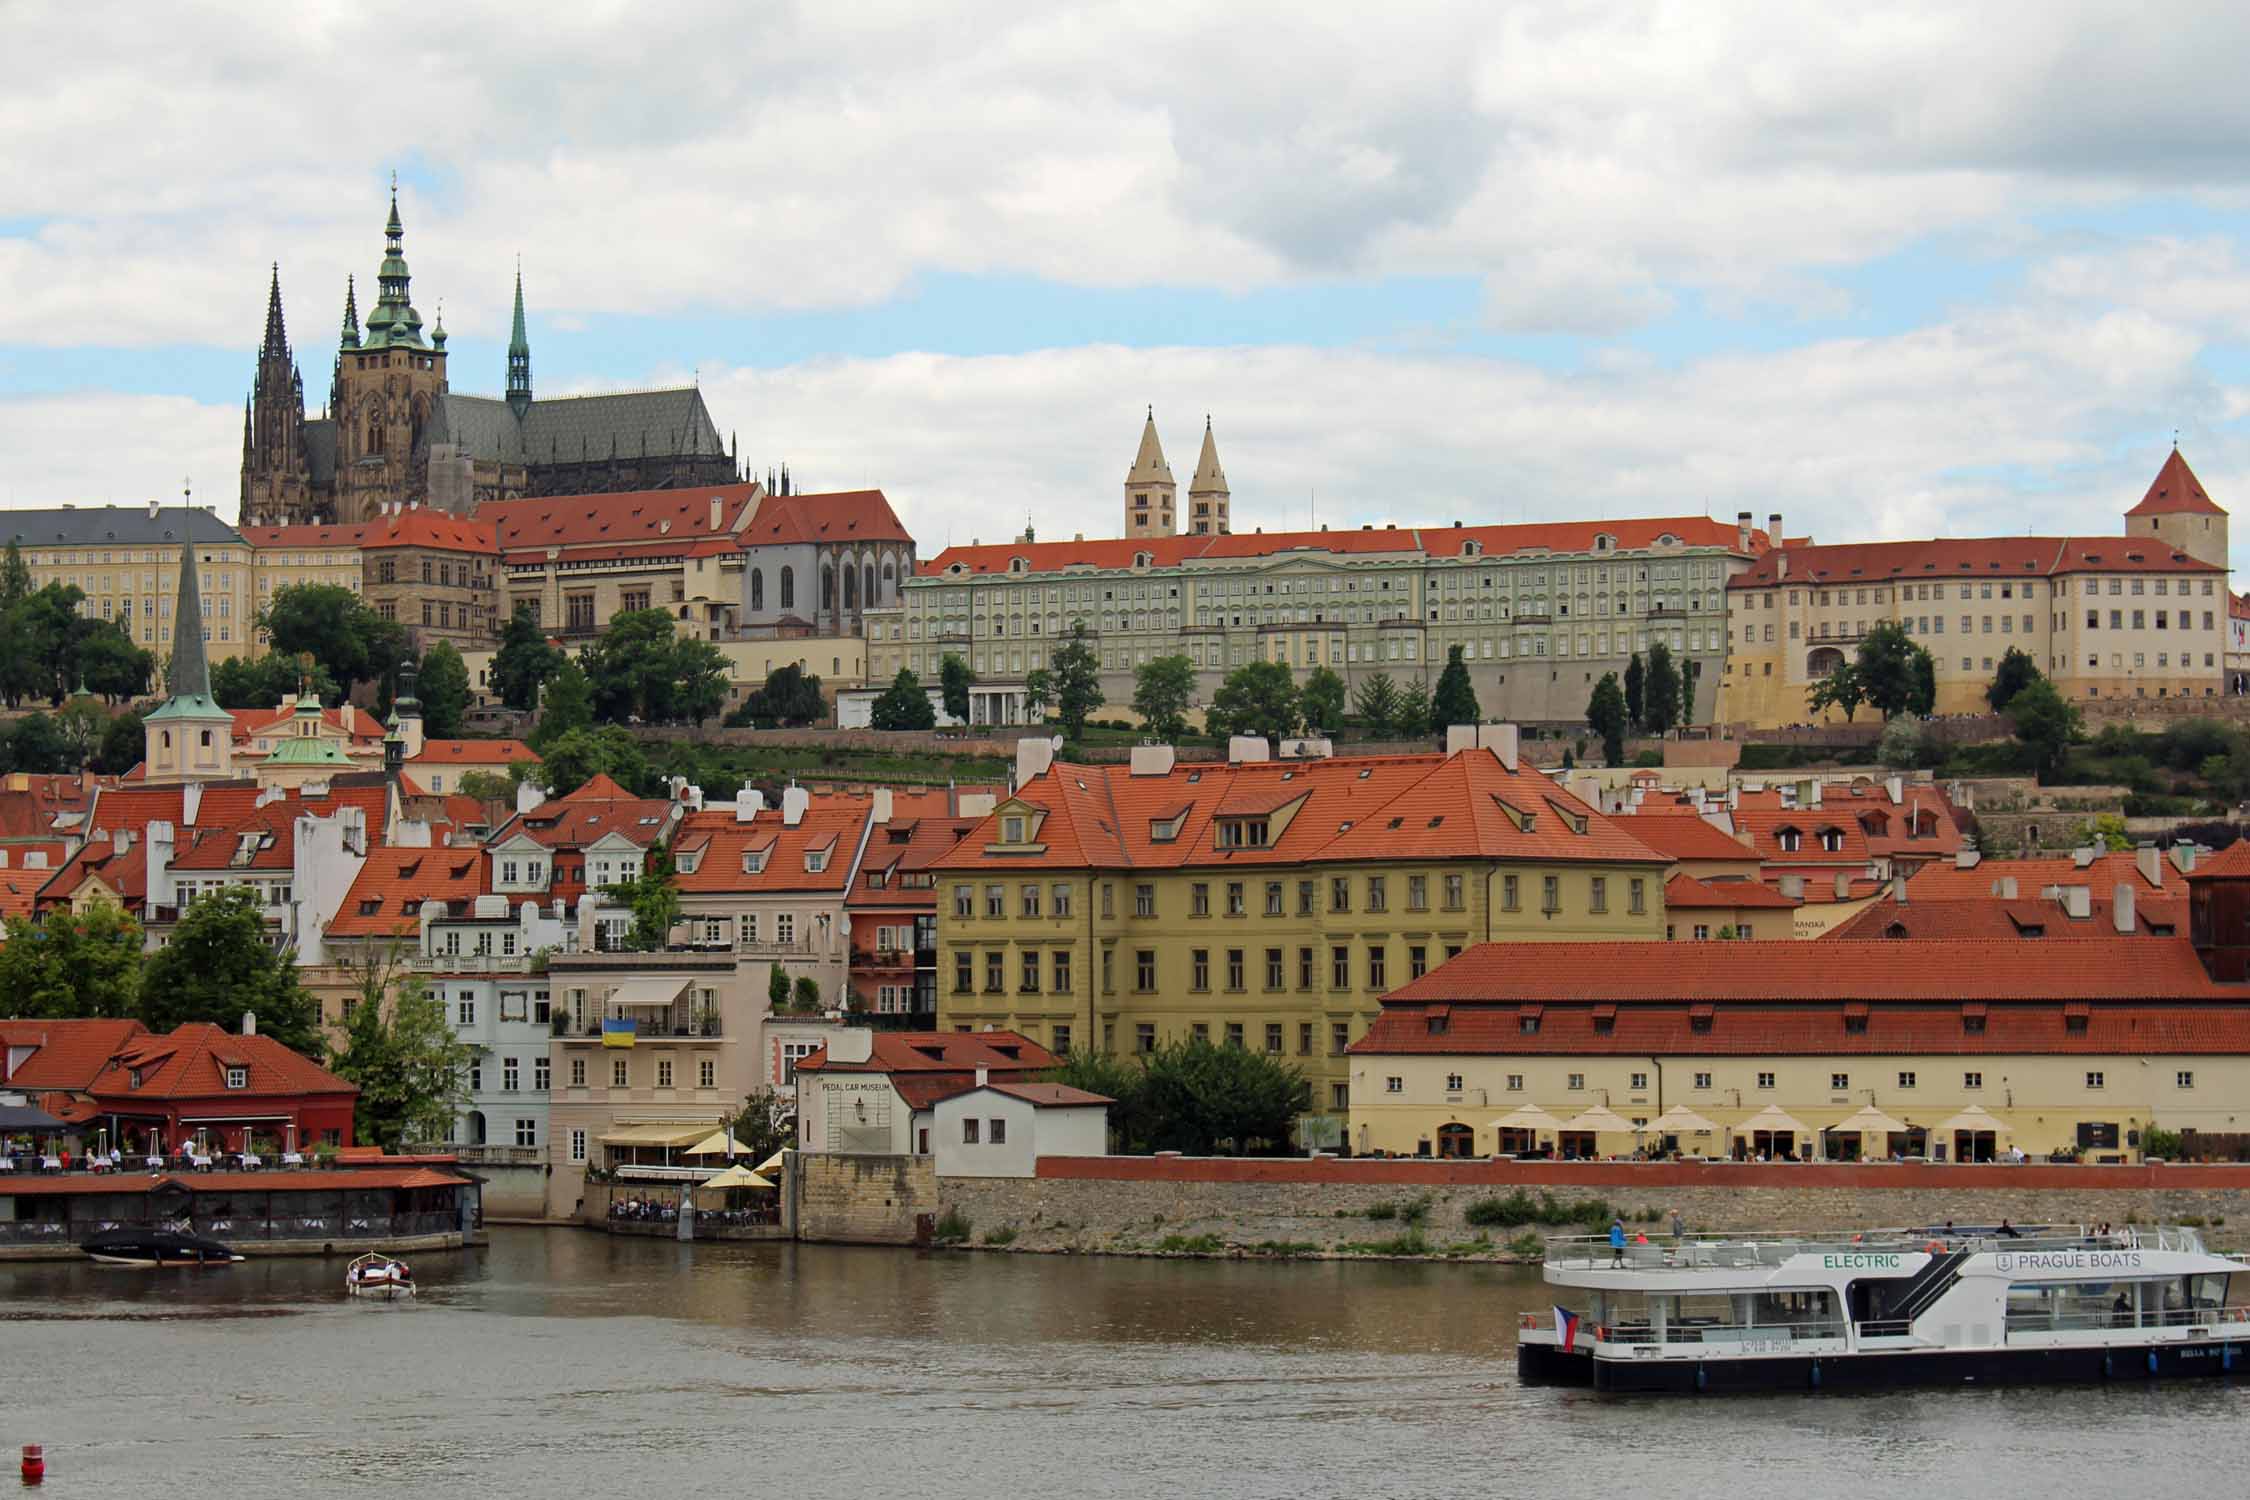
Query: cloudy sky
[[1891, 270]]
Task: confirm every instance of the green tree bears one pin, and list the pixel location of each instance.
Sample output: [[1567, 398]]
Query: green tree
[[240, 683], [1636, 683], [219, 964], [335, 625], [1605, 715], [110, 664], [411, 1069], [1455, 701], [524, 662], [654, 899], [567, 708], [1921, 698], [1376, 705], [777, 989], [1259, 698], [700, 680], [905, 704], [1124, 1083], [1038, 694], [576, 758], [1163, 692], [791, 695], [630, 667], [122, 746], [807, 993], [954, 681], [2045, 723], [766, 1123], [1078, 682], [443, 687], [1691, 673], [1416, 713], [1900, 748], [43, 631], [486, 786], [1199, 1097], [15, 577], [2016, 672], [72, 964], [2106, 831], [1322, 699], [1839, 689], [36, 742], [82, 722], [1660, 692], [1885, 663]]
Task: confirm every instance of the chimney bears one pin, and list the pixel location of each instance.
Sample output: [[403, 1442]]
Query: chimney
[[2183, 858], [1773, 528], [748, 803], [2151, 865], [2122, 909], [2078, 901], [1898, 886], [1248, 749], [1793, 886], [882, 804], [1843, 886], [853, 1044], [984, 1077], [1505, 741], [2008, 888], [1966, 859], [716, 512], [1460, 737], [1894, 787], [191, 803], [1035, 754], [794, 801], [1153, 760], [2084, 858], [529, 795], [1742, 531], [249, 1023]]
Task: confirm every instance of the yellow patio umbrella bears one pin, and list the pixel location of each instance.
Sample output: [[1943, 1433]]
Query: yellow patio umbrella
[[1773, 1120], [735, 1177], [1869, 1121], [773, 1163], [1680, 1120], [1976, 1117], [1602, 1120], [718, 1143], [1529, 1117]]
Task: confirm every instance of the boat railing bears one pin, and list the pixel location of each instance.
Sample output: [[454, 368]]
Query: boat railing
[[1718, 1251], [1720, 1333]]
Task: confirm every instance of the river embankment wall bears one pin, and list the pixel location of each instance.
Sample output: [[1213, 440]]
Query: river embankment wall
[[1158, 1205]]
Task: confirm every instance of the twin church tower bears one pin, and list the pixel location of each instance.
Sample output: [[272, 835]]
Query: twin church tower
[[1151, 497], [394, 431]]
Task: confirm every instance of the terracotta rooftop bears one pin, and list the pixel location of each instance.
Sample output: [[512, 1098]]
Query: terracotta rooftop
[[2175, 491], [1685, 893], [943, 1052], [191, 1061]]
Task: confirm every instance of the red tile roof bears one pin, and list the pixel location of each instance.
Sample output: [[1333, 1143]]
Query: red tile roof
[[434, 529], [2175, 491], [943, 1052], [845, 516], [70, 1053], [302, 536], [395, 877], [595, 810], [716, 844], [665, 522], [1685, 835], [1958, 559], [1050, 1095], [1946, 881], [475, 753], [1685, 893], [126, 874], [349, 721], [2110, 968], [1431, 541], [2230, 863], [190, 1062], [1359, 808], [2030, 916]]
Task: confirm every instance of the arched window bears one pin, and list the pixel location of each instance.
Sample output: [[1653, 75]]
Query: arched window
[[788, 587], [1456, 1139], [890, 579], [757, 589], [851, 587], [867, 586], [827, 588]]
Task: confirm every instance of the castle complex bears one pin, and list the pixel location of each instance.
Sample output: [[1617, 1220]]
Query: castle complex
[[395, 431]]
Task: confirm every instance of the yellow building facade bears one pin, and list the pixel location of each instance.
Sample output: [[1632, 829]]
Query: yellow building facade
[[1266, 905], [125, 560]]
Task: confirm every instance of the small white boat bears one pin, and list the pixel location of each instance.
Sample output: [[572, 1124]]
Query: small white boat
[[378, 1276]]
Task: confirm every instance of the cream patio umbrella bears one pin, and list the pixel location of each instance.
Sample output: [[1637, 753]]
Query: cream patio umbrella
[[734, 1177], [1773, 1120], [1602, 1120], [773, 1163], [1680, 1120], [1976, 1120], [1867, 1121], [1529, 1117], [718, 1143]]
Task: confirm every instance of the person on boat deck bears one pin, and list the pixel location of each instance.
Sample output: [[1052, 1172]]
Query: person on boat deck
[[2008, 1231], [1617, 1241], [1679, 1226], [2123, 1307]]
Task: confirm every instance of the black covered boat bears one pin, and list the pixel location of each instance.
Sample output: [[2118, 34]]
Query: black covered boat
[[156, 1247]]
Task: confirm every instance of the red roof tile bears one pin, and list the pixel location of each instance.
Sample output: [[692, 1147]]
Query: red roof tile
[[2230, 863], [475, 753], [1685, 893], [2031, 916], [1946, 881], [845, 516], [1956, 559], [434, 529], [2175, 491], [717, 844], [667, 521], [190, 1062], [943, 1052], [70, 1053], [2090, 968], [1685, 835], [395, 878], [302, 536]]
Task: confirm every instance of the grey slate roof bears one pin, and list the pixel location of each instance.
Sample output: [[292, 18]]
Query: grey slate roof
[[126, 525], [565, 428]]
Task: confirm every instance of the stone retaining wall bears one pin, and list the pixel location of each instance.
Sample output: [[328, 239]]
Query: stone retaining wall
[[865, 1200], [1138, 1205]]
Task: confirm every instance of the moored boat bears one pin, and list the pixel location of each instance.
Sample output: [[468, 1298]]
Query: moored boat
[[1885, 1308], [378, 1276], [156, 1247]]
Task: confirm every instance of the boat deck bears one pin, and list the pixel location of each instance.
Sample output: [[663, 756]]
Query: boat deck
[[1751, 1248]]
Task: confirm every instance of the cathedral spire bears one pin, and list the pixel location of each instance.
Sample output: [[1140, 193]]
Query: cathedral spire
[[276, 344], [519, 357], [394, 324], [191, 670], [351, 314]]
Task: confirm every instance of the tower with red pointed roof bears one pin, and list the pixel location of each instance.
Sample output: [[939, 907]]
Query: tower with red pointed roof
[[2178, 512]]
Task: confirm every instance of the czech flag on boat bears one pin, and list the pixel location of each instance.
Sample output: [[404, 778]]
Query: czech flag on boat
[[1566, 1324]]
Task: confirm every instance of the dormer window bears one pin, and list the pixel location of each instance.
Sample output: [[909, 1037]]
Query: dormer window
[[1789, 839], [816, 860], [1011, 829], [133, 1077], [1832, 840], [754, 860], [238, 1078], [1244, 833]]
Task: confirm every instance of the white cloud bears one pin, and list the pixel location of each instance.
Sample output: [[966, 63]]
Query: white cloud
[[710, 156], [103, 448]]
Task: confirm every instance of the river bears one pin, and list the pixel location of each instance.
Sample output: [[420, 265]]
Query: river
[[558, 1362]]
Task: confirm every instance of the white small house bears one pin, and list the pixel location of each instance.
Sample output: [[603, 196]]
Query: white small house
[[1002, 1129]]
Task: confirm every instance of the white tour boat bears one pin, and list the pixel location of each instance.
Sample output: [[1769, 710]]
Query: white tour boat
[[378, 1276], [1884, 1308]]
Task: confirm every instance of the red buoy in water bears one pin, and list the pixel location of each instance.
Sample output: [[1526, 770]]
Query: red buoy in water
[[34, 1463]]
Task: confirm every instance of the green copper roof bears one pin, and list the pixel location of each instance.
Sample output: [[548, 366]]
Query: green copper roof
[[393, 323], [351, 315], [519, 359], [190, 677], [307, 750]]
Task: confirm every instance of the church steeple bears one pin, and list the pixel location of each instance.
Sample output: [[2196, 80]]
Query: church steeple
[[351, 314], [1207, 491], [519, 358], [394, 324], [276, 345], [1149, 489], [274, 470], [189, 737]]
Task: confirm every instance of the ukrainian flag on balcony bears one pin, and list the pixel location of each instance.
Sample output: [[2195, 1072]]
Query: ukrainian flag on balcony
[[619, 1031]]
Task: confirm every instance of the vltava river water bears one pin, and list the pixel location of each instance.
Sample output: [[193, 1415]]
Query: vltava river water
[[558, 1362]]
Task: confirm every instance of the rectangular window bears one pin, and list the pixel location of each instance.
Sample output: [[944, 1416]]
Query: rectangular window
[[969, 1131], [1199, 899], [1273, 1037], [1305, 889], [995, 900], [1550, 900], [1144, 1037], [1030, 898], [527, 1132], [1515, 1083], [1304, 1038], [664, 1072], [1453, 887], [1378, 893], [2183, 1079], [1061, 903], [1417, 893], [1417, 961], [1144, 969], [1972, 1080], [578, 1072], [1339, 1037], [578, 1145], [1234, 968], [2093, 1080], [1377, 968], [1199, 969], [1394, 1084], [617, 1073], [1510, 899], [1339, 968], [1276, 972], [1839, 1082], [706, 1073], [964, 901], [964, 973], [998, 1132], [1061, 964], [1340, 894], [1600, 894], [1237, 902], [1574, 1081], [1765, 1080], [1273, 898], [465, 1012], [1906, 1080], [1702, 1080], [510, 1079], [1636, 896], [1029, 984], [1234, 1035], [1144, 900]]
